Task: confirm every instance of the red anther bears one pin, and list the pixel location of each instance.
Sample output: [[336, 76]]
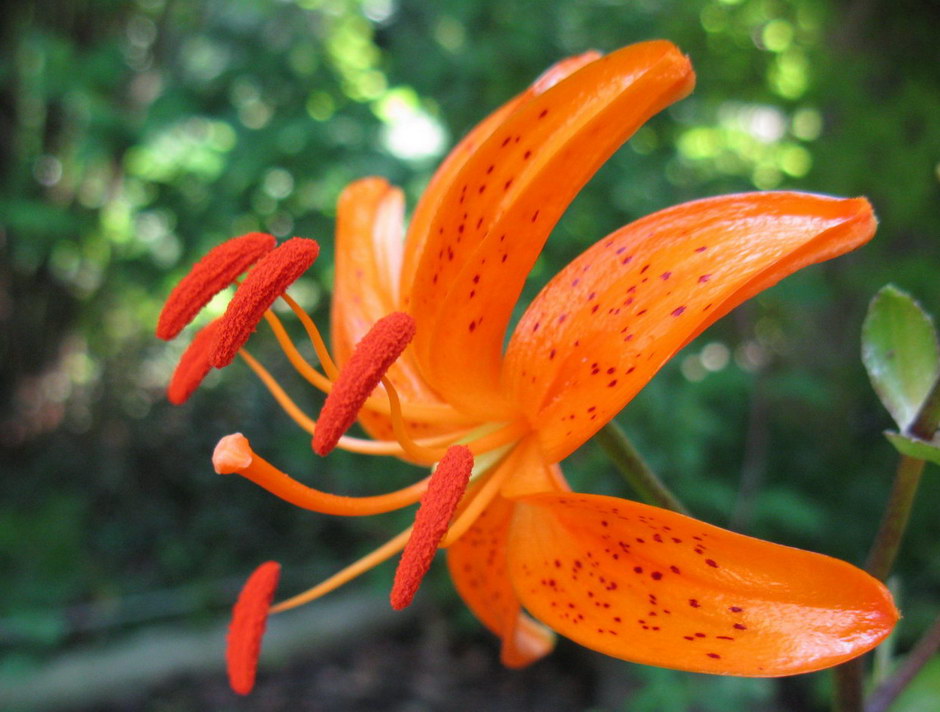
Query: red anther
[[209, 276], [249, 620], [371, 358], [447, 485], [273, 274], [193, 364]]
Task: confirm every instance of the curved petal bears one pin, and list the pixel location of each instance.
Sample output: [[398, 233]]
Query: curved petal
[[477, 561], [369, 224], [494, 218], [655, 587], [600, 330], [443, 178]]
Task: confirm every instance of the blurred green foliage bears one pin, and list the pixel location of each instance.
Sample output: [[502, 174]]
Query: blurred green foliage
[[135, 135]]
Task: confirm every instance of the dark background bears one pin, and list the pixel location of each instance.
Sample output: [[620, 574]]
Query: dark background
[[135, 135]]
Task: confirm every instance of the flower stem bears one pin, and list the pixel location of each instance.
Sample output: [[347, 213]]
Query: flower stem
[[634, 469], [884, 550]]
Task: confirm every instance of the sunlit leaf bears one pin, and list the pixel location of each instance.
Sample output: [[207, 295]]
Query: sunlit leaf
[[899, 349]]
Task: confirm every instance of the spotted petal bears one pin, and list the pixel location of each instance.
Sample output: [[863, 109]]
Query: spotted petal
[[477, 563], [457, 158], [605, 324], [494, 218], [655, 587]]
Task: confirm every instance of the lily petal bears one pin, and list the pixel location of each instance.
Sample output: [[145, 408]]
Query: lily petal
[[600, 330], [497, 213], [444, 177], [656, 587]]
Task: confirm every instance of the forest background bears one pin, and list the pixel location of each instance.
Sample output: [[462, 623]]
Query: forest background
[[136, 135]]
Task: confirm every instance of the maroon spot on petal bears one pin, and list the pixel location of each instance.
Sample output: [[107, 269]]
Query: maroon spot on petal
[[711, 562], [678, 311], [704, 278]]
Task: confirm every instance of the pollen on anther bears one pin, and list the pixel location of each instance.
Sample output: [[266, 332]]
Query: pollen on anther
[[209, 276], [273, 274], [371, 358], [193, 365], [249, 620], [445, 489]]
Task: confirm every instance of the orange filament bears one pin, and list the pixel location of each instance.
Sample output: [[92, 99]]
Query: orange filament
[[438, 504], [193, 364], [309, 373], [265, 283], [249, 620], [209, 276], [364, 447], [357, 568], [313, 333], [424, 412], [371, 358], [422, 455], [233, 454]]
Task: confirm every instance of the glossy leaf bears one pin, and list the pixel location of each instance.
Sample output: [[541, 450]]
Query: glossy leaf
[[899, 349]]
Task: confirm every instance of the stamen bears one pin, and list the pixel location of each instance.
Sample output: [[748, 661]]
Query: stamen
[[367, 562], [371, 358], [359, 445], [447, 485], [421, 455], [425, 412], [265, 283], [249, 620], [308, 372], [209, 276], [479, 499], [313, 333], [193, 364], [233, 454]]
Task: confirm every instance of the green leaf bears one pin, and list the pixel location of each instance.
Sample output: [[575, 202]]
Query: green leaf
[[899, 349], [914, 447]]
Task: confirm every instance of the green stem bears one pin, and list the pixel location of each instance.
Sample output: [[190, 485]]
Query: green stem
[[635, 470], [884, 550]]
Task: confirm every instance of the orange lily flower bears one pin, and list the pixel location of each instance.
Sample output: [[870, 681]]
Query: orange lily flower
[[418, 333]]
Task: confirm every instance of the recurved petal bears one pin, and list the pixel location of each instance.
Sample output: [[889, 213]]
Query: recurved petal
[[444, 177], [477, 564], [600, 330], [493, 218], [655, 587]]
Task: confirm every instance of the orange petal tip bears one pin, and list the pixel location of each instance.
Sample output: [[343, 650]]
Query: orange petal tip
[[371, 358], [249, 620], [232, 454], [447, 485], [213, 273], [273, 274]]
